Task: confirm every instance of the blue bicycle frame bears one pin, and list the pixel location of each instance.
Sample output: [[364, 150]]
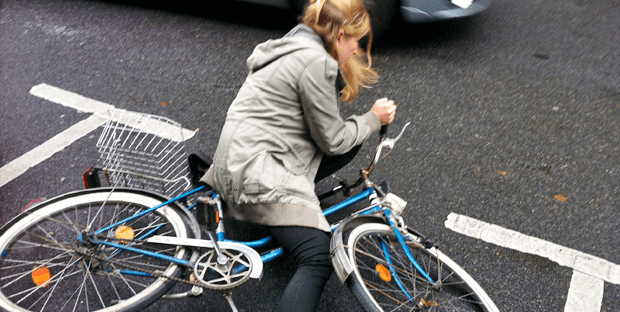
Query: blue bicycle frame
[[367, 194]]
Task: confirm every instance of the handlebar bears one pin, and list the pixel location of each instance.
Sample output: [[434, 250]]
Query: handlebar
[[383, 131], [385, 142]]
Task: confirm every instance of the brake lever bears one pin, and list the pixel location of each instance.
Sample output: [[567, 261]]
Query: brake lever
[[389, 143]]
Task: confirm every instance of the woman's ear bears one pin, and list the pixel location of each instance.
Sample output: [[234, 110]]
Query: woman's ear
[[340, 34]]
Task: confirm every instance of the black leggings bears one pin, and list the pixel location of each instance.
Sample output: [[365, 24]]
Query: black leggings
[[309, 249], [330, 164]]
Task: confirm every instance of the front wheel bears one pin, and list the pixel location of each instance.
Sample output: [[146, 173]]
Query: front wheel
[[45, 267], [384, 279]]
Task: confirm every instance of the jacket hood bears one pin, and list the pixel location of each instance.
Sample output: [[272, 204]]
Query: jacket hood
[[299, 38]]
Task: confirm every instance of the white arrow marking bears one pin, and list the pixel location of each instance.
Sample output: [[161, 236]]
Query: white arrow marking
[[101, 113], [582, 262], [586, 287], [585, 293], [44, 151]]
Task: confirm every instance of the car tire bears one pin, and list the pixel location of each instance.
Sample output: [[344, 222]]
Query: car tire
[[299, 6], [382, 13]]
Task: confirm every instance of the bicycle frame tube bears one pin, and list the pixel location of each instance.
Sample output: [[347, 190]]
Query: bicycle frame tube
[[403, 244], [145, 252], [329, 211], [151, 209], [366, 194], [349, 202], [274, 254], [388, 258]]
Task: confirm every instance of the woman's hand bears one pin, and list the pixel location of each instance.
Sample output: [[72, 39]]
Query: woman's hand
[[384, 109]]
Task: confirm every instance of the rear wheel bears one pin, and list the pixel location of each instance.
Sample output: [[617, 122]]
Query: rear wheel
[[375, 280], [45, 267]]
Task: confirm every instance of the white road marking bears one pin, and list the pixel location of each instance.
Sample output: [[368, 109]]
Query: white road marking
[[70, 99], [585, 293], [87, 105], [44, 151], [577, 260], [101, 113], [590, 272]]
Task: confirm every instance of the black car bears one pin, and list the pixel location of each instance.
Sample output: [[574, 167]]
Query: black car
[[383, 12]]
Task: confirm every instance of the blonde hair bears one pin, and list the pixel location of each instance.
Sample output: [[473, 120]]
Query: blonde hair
[[326, 18]]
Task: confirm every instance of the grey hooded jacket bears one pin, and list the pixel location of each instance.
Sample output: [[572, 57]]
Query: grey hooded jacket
[[283, 120]]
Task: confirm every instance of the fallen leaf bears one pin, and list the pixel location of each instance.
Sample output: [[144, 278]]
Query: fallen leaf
[[560, 197], [502, 172], [165, 103]]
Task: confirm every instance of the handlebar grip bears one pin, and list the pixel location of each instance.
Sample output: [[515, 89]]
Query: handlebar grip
[[383, 130]]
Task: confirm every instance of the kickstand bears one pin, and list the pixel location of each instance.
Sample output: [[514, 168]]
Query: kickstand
[[228, 296]]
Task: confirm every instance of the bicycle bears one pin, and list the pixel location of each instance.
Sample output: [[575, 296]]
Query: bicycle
[[121, 248]]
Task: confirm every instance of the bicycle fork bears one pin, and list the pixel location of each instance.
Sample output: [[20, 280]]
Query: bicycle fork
[[393, 224]]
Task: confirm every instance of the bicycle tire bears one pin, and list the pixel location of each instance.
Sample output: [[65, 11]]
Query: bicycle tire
[[376, 288], [44, 238]]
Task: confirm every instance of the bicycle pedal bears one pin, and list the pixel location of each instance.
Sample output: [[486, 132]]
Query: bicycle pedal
[[196, 291], [207, 215]]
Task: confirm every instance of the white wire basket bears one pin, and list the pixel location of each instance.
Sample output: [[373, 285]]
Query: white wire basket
[[143, 151]]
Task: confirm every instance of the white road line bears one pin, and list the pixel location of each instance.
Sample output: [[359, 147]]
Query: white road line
[[87, 105], [579, 261], [585, 293], [70, 99], [589, 272], [44, 151], [101, 113]]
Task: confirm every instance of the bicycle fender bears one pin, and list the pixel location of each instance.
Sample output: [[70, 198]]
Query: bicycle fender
[[34, 207], [338, 252]]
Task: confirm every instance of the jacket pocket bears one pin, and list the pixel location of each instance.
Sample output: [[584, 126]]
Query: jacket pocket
[[266, 174], [280, 149]]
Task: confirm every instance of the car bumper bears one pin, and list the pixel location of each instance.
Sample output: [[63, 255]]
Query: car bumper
[[420, 11]]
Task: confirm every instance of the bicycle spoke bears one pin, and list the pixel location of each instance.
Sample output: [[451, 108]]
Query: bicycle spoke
[[96, 289], [22, 275], [405, 288], [35, 245], [69, 299], [62, 273], [46, 265], [25, 263], [120, 276], [118, 296]]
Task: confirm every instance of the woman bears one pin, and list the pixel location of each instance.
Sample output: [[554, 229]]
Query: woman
[[283, 131]]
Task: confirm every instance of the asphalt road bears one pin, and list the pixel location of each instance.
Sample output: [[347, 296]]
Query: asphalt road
[[508, 110]]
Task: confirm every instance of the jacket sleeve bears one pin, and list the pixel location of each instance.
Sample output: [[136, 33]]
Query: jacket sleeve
[[319, 99]]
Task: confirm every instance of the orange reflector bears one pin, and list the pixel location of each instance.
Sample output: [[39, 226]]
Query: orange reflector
[[384, 273], [41, 276], [124, 232]]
